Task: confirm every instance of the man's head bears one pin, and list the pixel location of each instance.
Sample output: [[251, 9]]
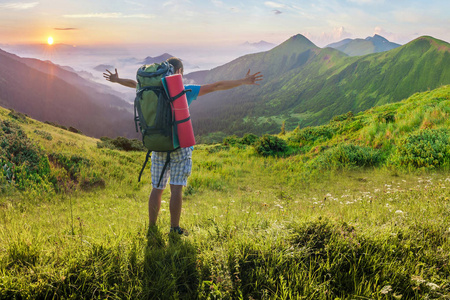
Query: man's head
[[177, 65]]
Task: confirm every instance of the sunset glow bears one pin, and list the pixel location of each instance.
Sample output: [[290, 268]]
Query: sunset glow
[[217, 22], [50, 40]]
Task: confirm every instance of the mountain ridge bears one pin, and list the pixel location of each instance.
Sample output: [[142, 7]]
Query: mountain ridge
[[46, 97], [309, 87], [369, 45]]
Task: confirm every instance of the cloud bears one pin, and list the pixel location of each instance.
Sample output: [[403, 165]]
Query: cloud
[[393, 37], [108, 16], [366, 1], [18, 5], [69, 28], [274, 4], [217, 3], [337, 34], [277, 12]]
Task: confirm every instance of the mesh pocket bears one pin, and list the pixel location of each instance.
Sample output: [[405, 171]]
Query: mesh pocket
[[163, 121]]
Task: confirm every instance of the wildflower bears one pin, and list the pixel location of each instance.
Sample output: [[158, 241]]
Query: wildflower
[[279, 205], [399, 212], [432, 286], [215, 207], [386, 289]]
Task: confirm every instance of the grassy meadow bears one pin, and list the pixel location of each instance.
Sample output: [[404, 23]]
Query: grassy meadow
[[355, 209]]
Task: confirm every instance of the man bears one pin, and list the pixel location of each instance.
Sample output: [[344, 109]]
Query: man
[[180, 165]]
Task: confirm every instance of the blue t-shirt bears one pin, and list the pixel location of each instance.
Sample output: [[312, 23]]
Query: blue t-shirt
[[190, 96]]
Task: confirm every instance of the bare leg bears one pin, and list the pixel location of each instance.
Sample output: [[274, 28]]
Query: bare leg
[[154, 204], [176, 201]]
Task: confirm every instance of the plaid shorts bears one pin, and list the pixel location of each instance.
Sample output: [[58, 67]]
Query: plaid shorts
[[178, 169]]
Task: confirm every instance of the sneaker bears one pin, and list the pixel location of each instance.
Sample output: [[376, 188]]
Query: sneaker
[[179, 230]]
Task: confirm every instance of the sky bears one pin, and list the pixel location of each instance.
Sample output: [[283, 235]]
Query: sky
[[218, 22]]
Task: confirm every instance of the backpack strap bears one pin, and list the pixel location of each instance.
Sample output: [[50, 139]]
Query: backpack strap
[[164, 168], [171, 99], [145, 163]]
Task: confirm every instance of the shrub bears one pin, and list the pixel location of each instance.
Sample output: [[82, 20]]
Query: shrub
[[428, 148], [74, 130], [249, 139], [269, 145], [18, 116], [71, 164], [343, 117], [230, 140], [347, 155], [121, 143], [309, 135], [44, 134], [56, 125], [22, 161]]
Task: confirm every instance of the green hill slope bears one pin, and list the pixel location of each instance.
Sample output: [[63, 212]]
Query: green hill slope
[[346, 201], [311, 86], [369, 45]]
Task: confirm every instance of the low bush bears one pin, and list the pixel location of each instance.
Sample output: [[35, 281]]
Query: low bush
[[23, 163], [269, 145], [248, 139], [310, 135], [44, 134], [428, 148], [347, 155], [121, 143]]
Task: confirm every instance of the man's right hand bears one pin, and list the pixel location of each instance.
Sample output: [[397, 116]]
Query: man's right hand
[[111, 77]]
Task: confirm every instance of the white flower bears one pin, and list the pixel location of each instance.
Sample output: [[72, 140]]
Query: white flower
[[433, 286], [399, 212], [386, 289]]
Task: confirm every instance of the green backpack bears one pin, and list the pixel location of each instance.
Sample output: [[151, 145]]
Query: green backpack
[[153, 111]]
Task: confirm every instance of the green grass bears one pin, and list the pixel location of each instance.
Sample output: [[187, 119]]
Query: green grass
[[260, 227]]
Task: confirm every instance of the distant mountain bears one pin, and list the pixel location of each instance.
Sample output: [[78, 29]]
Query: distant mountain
[[261, 45], [151, 60], [357, 47], [307, 85], [48, 92], [103, 67]]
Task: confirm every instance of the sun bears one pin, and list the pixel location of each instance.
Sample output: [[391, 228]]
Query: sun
[[50, 40]]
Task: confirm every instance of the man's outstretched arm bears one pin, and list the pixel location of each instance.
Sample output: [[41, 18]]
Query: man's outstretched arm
[[230, 84], [114, 77]]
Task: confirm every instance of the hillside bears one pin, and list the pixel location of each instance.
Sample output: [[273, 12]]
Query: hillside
[[48, 92], [369, 45], [306, 85], [345, 199]]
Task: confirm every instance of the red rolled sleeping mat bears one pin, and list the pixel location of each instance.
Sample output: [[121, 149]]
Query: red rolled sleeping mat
[[180, 109]]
